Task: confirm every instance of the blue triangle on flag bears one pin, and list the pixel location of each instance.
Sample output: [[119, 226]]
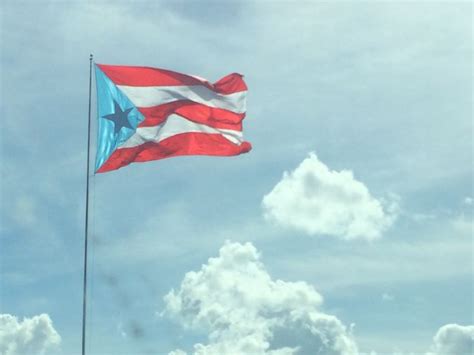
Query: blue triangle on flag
[[117, 115]]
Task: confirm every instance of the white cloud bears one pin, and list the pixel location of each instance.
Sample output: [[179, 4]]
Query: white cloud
[[453, 339], [34, 335], [468, 201], [317, 200], [245, 311], [177, 352]]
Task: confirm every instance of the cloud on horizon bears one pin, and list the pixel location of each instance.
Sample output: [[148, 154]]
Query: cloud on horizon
[[319, 201], [244, 310], [34, 335], [453, 339]]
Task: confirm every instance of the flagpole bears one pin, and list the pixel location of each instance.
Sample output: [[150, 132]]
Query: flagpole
[[84, 296]]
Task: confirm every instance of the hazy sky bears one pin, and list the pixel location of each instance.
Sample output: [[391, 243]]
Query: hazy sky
[[347, 229]]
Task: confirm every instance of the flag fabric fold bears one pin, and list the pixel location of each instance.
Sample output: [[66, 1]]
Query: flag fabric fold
[[149, 114]]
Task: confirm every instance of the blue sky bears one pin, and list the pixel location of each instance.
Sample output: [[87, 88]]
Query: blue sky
[[383, 89]]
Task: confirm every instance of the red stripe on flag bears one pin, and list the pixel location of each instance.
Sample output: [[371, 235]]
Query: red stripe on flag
[[181, 144], [214, 117], [230, 84], [147, 76]]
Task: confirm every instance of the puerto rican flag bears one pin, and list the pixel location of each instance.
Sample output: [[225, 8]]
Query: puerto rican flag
[[149, 114]]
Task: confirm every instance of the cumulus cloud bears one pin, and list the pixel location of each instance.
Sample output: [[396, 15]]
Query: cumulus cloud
[[453, 339], [450, 339], [245, 311], [320, 201], [34, 335]]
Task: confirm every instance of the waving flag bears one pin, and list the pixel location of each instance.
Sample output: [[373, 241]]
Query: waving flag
[[149, 114]]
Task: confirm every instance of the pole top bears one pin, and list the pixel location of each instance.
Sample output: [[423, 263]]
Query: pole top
[[91, 56]]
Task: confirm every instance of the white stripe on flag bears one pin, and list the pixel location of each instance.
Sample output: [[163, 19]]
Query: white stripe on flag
[[175, 125], [149, 96]]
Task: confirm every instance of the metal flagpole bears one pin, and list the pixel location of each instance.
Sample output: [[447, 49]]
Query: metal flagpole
[[87, 215]]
